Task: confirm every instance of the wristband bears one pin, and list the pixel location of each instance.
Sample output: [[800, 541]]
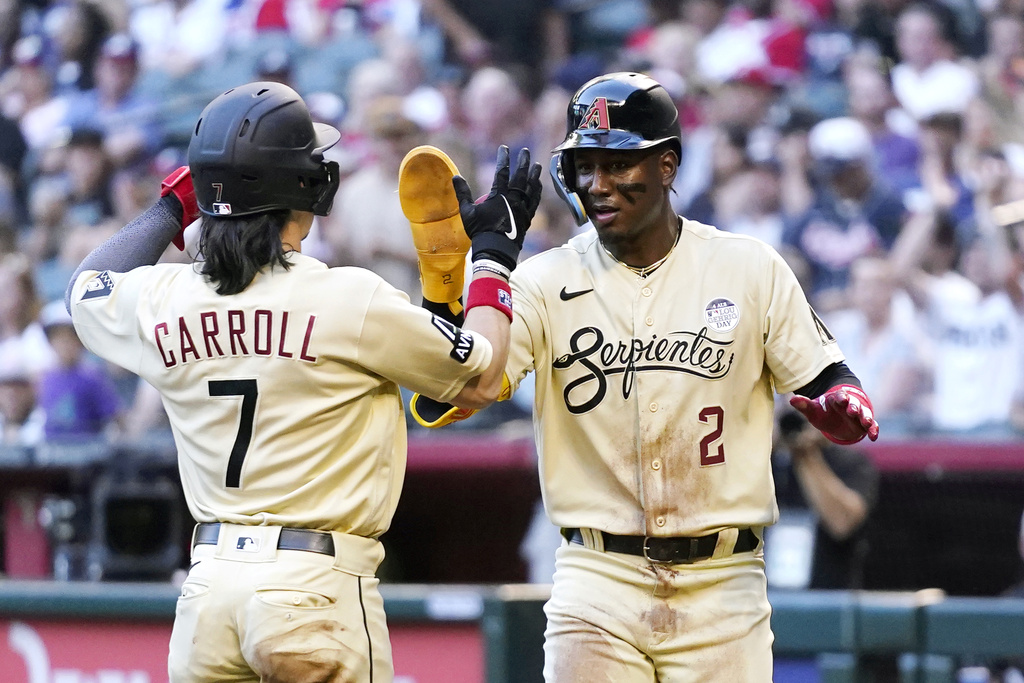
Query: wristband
[[491, 267], [490, 291], [179, 183]]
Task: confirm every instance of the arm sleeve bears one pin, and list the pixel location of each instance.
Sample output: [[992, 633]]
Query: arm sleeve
[[833, 375], [140, 243]]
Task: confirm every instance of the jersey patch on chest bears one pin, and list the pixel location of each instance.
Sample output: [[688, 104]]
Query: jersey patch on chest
[[722, 315]]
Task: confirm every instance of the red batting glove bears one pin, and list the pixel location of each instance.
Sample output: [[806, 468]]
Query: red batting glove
[[843, 414], [180, 184]]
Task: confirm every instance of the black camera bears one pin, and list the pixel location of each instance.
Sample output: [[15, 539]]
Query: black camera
[[791, 423]]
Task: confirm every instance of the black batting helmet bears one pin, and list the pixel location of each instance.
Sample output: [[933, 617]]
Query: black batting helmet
[[616, 111], [256, 148]]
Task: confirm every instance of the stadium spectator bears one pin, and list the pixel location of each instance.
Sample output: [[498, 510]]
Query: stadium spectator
[[77, 30], [941, 183], [424, 102], [276, 65], [77, 396], [177, 37], [793, 155], [928, 80], [1002, 76], [88, 174], [872, 103], [829, 45], [12, 154], [744, 101], [853, 213], [367, 227], [479, 32], [22, 340], [729, 158], [128, 120], [745, 194], [21, 419], [753, 204], [46, 235], [839, 487], [973, 322], [883, 344], [552, 225], [371, 79], [497, 111], [28, 97]]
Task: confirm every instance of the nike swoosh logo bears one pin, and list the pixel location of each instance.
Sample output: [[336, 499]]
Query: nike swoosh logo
[[511, 232], [565, 295]]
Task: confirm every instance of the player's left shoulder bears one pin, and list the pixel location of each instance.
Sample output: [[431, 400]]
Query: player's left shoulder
[[720, 243], [98, 285]]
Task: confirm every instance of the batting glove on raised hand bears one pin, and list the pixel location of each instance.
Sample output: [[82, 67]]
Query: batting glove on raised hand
[[179, 183], [497, 224], [843, 414]]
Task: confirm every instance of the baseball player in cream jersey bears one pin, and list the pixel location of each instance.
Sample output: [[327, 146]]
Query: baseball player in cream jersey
[[280, 377], [657, 345]]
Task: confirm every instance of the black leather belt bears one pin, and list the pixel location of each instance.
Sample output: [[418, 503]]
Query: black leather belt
[[310, 540], [667, 550]]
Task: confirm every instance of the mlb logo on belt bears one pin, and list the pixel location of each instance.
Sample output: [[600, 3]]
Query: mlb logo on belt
[[247, 544]]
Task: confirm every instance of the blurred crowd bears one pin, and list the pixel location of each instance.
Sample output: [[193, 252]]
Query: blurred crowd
[[877, 144]]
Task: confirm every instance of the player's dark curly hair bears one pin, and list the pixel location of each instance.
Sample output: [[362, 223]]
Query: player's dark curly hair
[[235, 249]]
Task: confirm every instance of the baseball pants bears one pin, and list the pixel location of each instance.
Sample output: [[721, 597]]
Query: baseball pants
[[615, 618], [251, 612]]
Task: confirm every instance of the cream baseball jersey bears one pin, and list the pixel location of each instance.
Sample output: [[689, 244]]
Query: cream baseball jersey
[[283, 399], [654, 396]]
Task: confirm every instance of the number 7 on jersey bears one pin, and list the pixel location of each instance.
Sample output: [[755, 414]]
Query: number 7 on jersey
[[247, 389]]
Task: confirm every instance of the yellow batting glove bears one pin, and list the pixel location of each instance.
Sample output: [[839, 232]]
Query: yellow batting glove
[[429, 202]]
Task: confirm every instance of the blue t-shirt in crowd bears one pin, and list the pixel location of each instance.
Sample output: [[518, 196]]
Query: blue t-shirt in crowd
[[77, 401], [834, 233]]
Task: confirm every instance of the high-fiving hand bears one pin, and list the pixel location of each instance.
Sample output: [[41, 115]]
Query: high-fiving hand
[[497, 224]]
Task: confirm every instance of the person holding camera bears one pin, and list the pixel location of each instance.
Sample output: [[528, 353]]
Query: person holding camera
[[839, 487]]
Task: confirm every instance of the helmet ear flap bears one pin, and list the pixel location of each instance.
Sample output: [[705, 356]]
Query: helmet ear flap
[[325, 197], [563, 177]]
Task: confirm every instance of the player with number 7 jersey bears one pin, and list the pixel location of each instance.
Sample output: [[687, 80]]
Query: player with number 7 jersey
[[281, 380]]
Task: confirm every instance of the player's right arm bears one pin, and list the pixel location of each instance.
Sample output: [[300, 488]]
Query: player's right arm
[[142, 241], [494, 325]]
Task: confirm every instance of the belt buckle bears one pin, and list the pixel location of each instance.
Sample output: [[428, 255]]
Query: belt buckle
[[672, 558], [654, 560]]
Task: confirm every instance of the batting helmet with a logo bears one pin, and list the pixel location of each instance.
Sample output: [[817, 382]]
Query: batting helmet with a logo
[[255, 148], [614, 111]]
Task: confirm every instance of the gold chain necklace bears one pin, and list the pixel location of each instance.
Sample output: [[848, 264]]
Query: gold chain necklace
[[643, 271]]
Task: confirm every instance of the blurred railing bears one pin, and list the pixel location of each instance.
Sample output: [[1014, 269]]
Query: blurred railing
[[460, 634]]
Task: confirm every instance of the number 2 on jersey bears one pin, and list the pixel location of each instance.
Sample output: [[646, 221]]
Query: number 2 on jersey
[[716, 416], [247, 389]]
